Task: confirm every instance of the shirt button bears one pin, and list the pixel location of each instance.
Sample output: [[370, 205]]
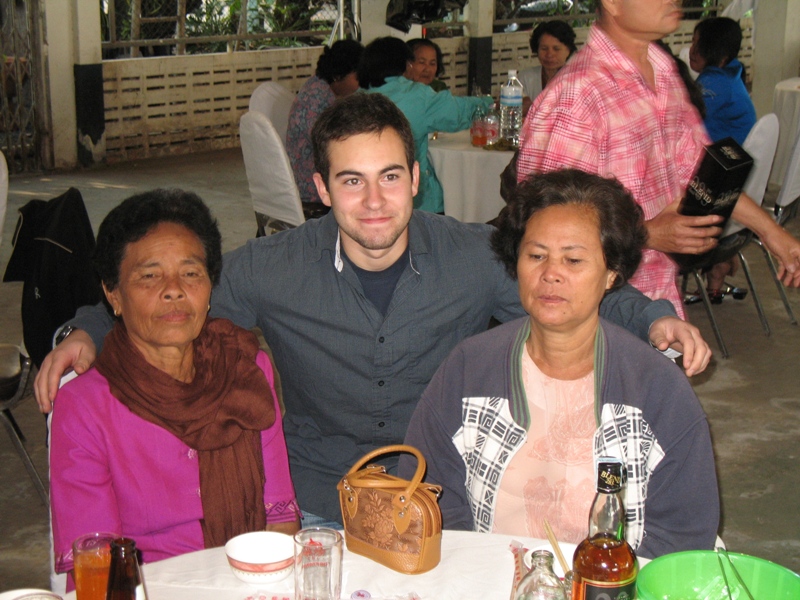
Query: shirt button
[[192, 453], [380, 339], [380, 383], [198, 492], [382, 424]]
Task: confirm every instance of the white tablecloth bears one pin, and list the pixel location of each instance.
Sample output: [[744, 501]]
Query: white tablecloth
[[473, 565], [470, 177], [785, 104]]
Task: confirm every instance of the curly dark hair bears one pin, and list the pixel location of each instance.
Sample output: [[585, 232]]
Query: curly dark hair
[[426, 43], [383, 57], [719, 40], [621, 220], [356, 114], [338, 61], [138, 215], [559, 30]]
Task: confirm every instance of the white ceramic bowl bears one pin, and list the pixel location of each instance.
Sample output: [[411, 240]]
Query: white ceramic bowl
[[261, 556], [566, 549], [29, 594]]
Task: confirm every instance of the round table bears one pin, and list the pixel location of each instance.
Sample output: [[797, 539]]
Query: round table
[[470, 177], [473, 565], [785, 104]]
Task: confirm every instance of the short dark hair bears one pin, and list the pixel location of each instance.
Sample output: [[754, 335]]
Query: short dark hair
[[356, 114], [692, 87], [621, 220], [338, 61], [719, 40], [138, 215], [424, 42], [559, 30], [383, 57]]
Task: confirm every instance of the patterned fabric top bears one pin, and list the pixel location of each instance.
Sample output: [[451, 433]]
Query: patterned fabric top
[[600, 115], [552, 476], [314, 97], [490, 438]]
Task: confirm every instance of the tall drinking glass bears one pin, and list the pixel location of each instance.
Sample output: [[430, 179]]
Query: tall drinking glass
[[317, 564], [91, 554]]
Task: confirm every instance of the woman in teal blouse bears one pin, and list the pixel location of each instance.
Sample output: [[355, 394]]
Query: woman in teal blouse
[[381, 71]]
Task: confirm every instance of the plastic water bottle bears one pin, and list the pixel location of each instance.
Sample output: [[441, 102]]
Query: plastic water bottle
[[511, 109]]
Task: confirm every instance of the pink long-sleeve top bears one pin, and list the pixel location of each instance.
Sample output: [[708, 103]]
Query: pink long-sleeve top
[[111, 470]]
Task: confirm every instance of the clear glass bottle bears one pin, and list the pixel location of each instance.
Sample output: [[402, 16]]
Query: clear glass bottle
[[491, 125], [124, 578], [541, 582], [478, 130], [604, 565], [511, 109]]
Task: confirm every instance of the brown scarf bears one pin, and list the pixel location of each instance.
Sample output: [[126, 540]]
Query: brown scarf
[[221, 414]]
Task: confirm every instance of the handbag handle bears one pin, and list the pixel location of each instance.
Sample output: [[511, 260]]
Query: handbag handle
[[401, 499]]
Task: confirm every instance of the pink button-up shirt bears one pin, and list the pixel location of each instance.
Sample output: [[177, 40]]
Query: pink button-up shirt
[[599, 115], [113, 471]]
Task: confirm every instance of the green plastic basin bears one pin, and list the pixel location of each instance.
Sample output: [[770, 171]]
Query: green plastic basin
[[696, 575]]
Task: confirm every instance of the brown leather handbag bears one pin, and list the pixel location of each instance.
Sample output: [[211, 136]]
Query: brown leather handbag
[[390, 520]]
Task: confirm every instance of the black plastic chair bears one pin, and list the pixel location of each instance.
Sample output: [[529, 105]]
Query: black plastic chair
[[15, 370]]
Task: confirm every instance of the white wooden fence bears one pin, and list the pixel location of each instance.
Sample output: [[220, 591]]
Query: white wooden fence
[[184, 104]]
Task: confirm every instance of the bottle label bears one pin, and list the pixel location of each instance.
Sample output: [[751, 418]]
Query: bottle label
[[510, 95], [608, 590]]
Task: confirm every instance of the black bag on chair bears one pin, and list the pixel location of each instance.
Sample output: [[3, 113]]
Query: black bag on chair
[[401, 14], [53, 245]]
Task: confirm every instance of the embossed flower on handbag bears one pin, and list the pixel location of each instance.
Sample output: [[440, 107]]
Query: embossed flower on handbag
[[391, 520]]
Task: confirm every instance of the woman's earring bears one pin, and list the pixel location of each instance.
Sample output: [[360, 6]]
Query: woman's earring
[[209, 308], [116, 312]]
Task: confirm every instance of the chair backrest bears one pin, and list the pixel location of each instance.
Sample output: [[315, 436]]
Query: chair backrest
[[3, 193], [761, 143], [790, 190], [269, 173], [274, 101]]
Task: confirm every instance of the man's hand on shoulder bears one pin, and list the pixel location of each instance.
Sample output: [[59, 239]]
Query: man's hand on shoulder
[[77, 351], [672, 332], [669, 231]]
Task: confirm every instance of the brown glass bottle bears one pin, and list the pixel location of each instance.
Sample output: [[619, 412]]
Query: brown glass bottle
[[604, 565], [124, 579]]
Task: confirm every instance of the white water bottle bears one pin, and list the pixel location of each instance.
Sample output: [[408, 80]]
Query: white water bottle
[[511, 109]]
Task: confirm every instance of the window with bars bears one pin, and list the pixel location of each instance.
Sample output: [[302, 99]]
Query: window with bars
[[511, 15], [165, 27]]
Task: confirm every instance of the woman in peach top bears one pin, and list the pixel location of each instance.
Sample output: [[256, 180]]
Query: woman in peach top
[[516, 418]]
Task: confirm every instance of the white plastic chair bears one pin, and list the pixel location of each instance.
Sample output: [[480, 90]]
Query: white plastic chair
[[274, 101], [761, 143], [276, 199], [58, 581], [785, 207]]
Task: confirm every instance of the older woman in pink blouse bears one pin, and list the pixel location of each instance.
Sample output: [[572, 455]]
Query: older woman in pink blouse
[[174, 438]]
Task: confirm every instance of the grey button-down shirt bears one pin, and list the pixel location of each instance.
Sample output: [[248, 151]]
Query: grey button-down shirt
[[352, 377]]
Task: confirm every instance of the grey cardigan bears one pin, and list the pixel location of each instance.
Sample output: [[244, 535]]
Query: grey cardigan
[[474, 416]]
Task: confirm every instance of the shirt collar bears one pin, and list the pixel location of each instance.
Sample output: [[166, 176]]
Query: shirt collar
[[620, 66], [418, 240]]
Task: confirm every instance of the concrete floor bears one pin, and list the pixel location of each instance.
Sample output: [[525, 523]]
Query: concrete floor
[[752, 399]]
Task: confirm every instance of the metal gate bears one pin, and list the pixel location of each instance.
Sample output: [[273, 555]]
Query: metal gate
[[20, 82]]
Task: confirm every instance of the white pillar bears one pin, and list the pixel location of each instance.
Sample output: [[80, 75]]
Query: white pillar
[[777, 48], [480, 16], [72, 37]]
